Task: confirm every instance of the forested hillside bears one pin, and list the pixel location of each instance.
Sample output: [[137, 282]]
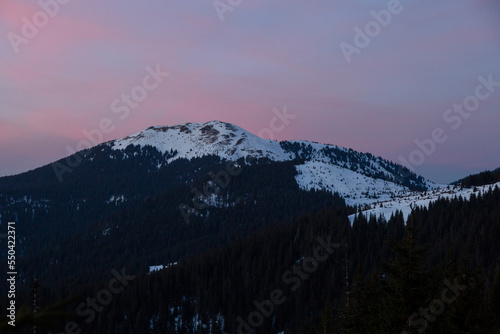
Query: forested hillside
[[393, 276], [486, 177], [69, 235]]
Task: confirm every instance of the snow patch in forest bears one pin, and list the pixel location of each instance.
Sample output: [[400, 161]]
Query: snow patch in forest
[[161, 267], [116, 199], [421, 199]]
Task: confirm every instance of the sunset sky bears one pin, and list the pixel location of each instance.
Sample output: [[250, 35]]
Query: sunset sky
[[237, 66]]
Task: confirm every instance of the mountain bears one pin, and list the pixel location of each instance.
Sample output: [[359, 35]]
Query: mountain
[[198, 195], [227, 141], [176, 191], [359, 178]]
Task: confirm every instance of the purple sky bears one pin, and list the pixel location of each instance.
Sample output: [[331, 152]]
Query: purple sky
[[64, 78]]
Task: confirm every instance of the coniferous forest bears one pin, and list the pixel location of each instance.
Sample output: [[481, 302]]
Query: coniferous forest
[[313, 273]]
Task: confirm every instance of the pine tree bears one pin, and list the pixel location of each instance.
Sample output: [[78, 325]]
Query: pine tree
[[406, 284]]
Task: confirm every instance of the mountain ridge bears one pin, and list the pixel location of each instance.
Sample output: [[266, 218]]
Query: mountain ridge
[[318, 166], [230, 142]]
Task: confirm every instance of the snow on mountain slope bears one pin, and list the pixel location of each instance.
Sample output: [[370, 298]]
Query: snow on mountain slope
[[423, 199], [357, 189], [193, 140], [359, 177]]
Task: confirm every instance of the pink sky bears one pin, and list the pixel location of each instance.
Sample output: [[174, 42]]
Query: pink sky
[[263, 55]]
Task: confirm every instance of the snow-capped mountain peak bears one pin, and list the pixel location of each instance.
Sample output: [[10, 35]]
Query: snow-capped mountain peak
[[360, 178], [193, 140]]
